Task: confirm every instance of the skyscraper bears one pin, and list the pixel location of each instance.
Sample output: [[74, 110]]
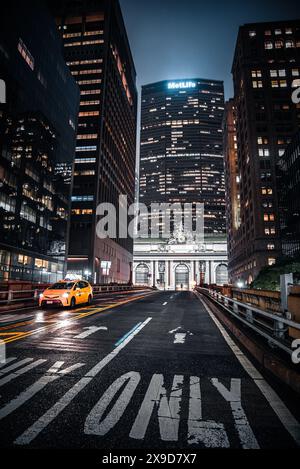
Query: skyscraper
[[265, 67], [37, 131], [98, 53], [181, 159]]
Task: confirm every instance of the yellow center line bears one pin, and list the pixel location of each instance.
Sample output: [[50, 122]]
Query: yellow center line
[[23, 335]]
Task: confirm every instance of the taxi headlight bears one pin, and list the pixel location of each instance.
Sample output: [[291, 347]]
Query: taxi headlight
[[41, 295], [66, 295]]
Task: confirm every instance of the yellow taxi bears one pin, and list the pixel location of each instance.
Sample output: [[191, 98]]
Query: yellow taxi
[[67, 294]]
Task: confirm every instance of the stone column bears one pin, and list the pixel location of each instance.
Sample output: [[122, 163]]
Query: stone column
[[167, 279], [153, 273], [172, 277]]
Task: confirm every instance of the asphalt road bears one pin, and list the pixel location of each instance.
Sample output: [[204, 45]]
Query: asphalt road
[[152, 370]]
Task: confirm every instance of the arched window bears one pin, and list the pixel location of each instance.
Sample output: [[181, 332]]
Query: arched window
[[142, 275], [221, 274], [289, 44]]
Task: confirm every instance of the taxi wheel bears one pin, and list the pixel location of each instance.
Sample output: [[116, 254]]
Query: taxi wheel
[[73, 303], [90, 300]]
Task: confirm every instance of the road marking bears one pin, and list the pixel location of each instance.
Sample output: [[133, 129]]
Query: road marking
[[167, 409], [52, 328], [22, 371], [210, 433], [241, 423], [32, 432], [280, 409], [15, 365], [7, 361], [52, 375], [179, 338], [93, 424], [165, 304], [89, 331], [127, 335]]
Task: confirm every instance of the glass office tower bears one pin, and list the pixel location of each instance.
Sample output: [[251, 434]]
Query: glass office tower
[[181, 158]]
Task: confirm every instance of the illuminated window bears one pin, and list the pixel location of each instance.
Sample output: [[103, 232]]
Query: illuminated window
[[289, 44], [271, 261], [252, 33], [283, 83], [268, 45], [278, 32], [278, 44]]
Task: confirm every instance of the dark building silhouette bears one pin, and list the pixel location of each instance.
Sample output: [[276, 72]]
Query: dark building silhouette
[[97, 51], [37, 131], [181, 157], [265, 67]]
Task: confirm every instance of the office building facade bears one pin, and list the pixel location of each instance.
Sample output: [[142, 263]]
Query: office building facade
[[232, 178], [98, 54], [266, 67], [38, 119]]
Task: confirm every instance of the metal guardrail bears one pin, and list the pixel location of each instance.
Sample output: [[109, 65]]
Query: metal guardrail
[[33, 295], [270, 326]]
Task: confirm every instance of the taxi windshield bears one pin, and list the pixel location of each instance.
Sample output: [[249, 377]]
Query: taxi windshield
[[62, 286]]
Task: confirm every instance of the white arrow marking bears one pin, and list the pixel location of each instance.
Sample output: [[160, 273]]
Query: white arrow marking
[[89, 331], [179, 338]]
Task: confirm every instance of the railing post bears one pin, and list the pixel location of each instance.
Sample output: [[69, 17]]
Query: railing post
[[279, 329], [249, 315], [9, 296]]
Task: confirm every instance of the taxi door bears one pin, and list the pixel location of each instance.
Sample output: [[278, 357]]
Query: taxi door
[[85, 290], [79, 293]]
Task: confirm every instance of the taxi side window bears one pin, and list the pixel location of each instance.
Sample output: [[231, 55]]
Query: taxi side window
[[81, 285]]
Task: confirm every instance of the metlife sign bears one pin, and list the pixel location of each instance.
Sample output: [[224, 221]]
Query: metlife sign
[[178, 85]]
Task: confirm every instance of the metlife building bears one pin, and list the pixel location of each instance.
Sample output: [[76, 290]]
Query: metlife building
[[181, 147]]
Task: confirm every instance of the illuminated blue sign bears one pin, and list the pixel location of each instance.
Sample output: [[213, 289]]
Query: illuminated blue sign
[[179, 85]]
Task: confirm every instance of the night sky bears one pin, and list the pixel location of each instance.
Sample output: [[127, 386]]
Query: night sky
[[173, 39]]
